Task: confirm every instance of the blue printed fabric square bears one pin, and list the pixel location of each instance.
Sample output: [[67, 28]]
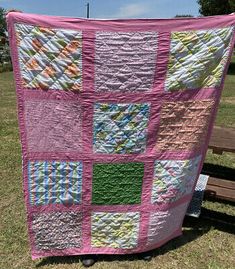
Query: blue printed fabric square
[[120, 128], [54, 182], [174, 179]]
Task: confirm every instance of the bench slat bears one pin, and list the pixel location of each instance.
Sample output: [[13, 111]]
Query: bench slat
[[221, 189], [222, 139], [221, 183]]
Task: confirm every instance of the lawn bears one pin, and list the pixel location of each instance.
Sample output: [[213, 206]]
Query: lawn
[[205, 243], [226, 116]]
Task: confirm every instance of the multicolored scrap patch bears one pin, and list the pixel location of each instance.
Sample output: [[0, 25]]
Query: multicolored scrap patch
[[197, 58], [120, 128], [173, 179], [50, 58], [115, 230], [114, 118]]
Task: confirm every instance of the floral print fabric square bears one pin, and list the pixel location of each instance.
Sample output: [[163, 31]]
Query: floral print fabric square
[[57, 230], [197, 58], [50, 58], [184, 124], [173, 179], [55, 182], [115, 230], [120, 128], [125, 61]]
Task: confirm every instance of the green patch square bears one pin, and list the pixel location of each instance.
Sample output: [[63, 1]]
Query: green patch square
[[117, 184]]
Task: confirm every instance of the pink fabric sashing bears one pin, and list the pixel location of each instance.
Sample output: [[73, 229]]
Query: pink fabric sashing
[[95, 94]]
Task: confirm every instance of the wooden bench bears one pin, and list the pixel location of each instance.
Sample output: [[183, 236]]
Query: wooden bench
[[222, 140], [220, 189]]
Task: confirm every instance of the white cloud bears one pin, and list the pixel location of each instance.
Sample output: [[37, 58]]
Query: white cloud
[[131, 11]]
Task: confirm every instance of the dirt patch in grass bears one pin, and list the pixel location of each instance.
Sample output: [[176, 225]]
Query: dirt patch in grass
[[228, 100]]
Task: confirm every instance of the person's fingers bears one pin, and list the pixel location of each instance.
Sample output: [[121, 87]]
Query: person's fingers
[[13, 10]]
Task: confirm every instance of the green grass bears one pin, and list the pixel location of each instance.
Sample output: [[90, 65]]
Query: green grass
[[226, 116], [5, 67], [205, 243]]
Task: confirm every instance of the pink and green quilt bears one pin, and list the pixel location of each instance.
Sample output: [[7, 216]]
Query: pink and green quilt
[[115, 118]]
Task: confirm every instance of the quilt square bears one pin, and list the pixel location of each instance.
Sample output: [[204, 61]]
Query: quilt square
[[117, 183], [53, 125], [125, 61], [115, 230], [50, 58], [54, 182], [57, 230], [184, 124], [120, 128], [173, 179], [197, 58], [163, 224]]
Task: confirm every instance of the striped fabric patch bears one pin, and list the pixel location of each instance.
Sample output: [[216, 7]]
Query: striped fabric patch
[[54, 182]]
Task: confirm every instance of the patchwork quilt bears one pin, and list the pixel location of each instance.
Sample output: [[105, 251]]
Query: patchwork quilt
[[115, 118]]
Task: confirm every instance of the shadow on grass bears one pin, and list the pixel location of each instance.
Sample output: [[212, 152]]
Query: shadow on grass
[[220, 221], [58, 260], [193, 228], [219, 171], [231, 69]]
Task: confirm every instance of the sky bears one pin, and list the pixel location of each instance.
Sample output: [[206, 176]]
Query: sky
[[106, 8]]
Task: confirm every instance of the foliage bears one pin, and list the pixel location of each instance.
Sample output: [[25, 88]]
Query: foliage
[[3, 25], [6, 67], [4, 54], [184, 16], [5, 59], [216, 7]]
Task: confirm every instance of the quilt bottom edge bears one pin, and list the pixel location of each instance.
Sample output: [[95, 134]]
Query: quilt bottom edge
[[90, 251]]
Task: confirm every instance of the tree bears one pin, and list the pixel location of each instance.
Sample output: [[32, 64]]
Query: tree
[[183, 16], [3, 25], [216, 7], [232, 5]]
